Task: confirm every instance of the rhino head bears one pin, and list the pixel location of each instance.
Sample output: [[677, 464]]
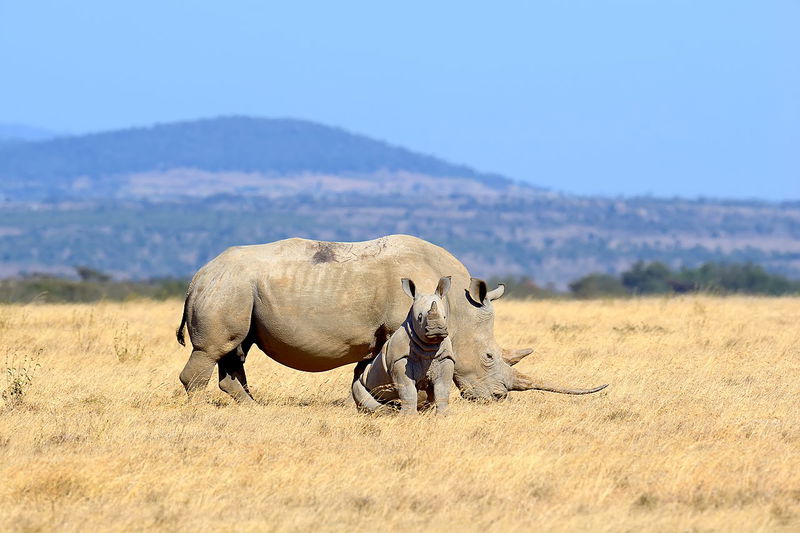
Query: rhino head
[[428, 313], [483, 370]]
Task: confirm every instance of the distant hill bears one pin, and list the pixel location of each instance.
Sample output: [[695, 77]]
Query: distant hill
[[162, 201], [255, 146]]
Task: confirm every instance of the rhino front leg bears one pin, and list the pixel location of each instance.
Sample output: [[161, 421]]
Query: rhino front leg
[[406, 386], [441, 387], [232, 378], [408, 398]]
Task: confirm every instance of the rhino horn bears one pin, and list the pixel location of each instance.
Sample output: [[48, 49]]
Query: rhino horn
[[523, 382], [512, 357]]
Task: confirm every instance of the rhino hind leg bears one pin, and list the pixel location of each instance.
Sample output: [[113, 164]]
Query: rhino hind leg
[[365, 402], [200, 366], [197, 372], [232, 378], [217, 313]]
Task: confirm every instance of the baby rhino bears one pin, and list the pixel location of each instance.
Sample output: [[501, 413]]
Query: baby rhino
[[418, 356]]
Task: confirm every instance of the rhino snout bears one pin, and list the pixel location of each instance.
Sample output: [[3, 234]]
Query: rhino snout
[[435, 329], [481, 393]]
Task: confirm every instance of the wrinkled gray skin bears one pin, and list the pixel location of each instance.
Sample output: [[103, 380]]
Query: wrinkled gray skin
[[315, 306], [418, 356]]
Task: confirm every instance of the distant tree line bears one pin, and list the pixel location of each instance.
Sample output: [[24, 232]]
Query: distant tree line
[[92, 286], [658, 278], [655, 277], [641, 279], [523, 287]]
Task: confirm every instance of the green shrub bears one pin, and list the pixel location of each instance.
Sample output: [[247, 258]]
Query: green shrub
[[18, 378], [597, 285]]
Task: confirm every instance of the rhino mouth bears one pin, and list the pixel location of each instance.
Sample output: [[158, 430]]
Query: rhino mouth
[[479, 398], [435, 325], [480, 394], [435, 333]]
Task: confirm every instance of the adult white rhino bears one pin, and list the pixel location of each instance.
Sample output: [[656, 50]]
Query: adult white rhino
[[315, 306]]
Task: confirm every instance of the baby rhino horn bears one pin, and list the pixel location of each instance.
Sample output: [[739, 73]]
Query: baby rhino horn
[[434, 312]]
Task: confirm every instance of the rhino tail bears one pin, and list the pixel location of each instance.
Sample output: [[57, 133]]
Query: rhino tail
[[179, 333]]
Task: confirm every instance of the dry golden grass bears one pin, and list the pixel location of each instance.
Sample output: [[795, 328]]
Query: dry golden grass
[[699, 430]]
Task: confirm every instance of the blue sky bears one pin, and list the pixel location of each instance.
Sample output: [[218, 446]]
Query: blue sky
[[594, 97]]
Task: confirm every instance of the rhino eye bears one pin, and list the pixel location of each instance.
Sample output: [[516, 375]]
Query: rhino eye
[[419, 318]]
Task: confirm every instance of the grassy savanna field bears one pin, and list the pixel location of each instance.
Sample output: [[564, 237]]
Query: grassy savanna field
[[699, 429]]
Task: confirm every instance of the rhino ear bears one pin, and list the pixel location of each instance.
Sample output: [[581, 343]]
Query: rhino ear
[[409, 287], [497, 293], [444, 286], [477, 291]]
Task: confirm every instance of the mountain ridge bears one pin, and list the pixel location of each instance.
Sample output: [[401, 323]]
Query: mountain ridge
[[270, 147]]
